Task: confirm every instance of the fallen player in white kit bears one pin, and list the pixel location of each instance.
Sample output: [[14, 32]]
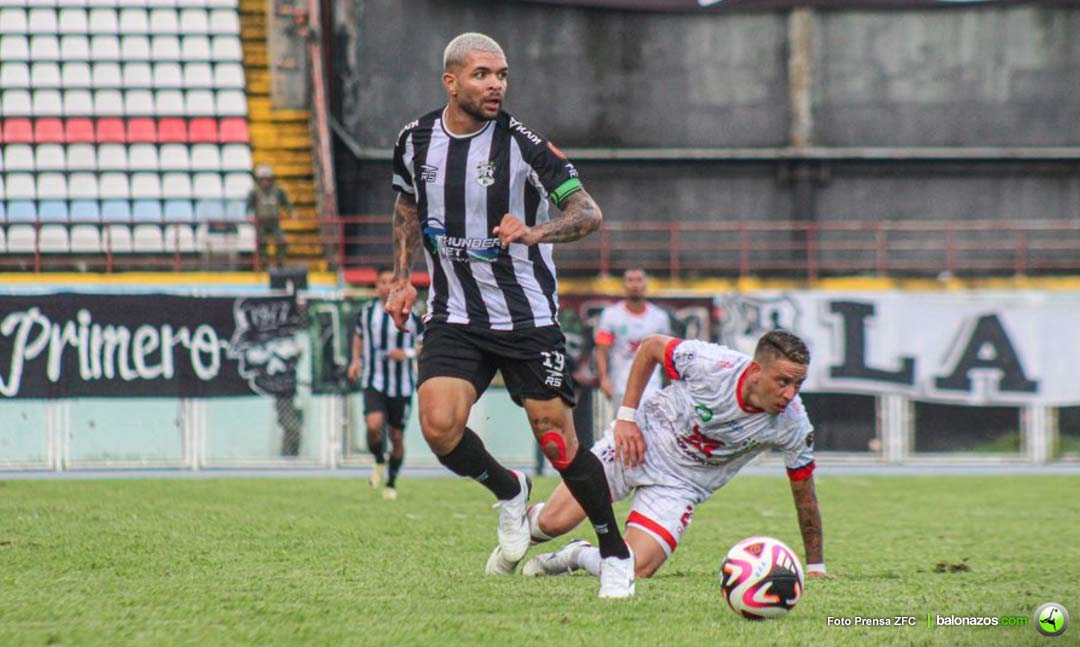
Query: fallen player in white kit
[[686, 441]]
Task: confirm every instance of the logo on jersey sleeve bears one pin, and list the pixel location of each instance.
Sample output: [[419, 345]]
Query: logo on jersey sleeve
[[460, 249]]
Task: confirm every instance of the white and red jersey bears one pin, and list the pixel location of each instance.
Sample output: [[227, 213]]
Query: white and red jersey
[[699, 432], [622, 331]]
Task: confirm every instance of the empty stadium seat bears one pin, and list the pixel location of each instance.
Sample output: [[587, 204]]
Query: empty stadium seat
[[79, 131], [226, 48], [14, 75], [237, 185], [73, 21], [22, 211], [49, 157], [245, 238], [52, 186], [73, 47], [176, 186], [231, 103], [45, 75], [20, 186], [78, 103], [104, 21], [85, 239], [82, 185], [117, 239], [85, 211], [205, 157], [54, 211], [115, 211], [109, 103], [234, 131], [208, 186], [143, 157], [146, 186], [179, 211], [210, 211], [112, 157], [134, 21], [138, 103], [104, 48], [147, 239], [114, 186], [76, 74], [21, 239], [224, 22], [179, 238], [164, 48], [172, 131], [229, 75], [106, 75], [164, 21], [142, 130], [42, 21], [48, 131], [138, 75], [203, 130], [2, 193], [221, 4], [19, 157], [111, 131], [53, 239], [168, 75], [45, 48], [81, 157], [16, 103], [195, 48], [18, 131], [146, 211], [169, 103], [14, 48], [135, 48], [3, 237], [198, 75], [236, 157], [48, 103], [194, 21], [199, 103], [174, 157], [13, 21]]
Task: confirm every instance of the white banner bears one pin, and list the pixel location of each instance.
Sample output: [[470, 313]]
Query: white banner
[[984, 348]]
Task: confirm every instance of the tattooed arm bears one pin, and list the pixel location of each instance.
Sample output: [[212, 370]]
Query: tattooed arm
[[580, 217], [806, 504], [406, 238]]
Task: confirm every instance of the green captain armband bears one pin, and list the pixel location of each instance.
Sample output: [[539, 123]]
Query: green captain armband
[[562, 191]]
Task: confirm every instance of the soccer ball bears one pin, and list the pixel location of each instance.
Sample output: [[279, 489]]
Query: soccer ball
[[761, 578]]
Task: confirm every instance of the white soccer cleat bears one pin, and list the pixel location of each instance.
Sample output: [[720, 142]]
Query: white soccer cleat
[[389, 494], [499, 565], [617, 577], [514, 523], [560, 562], [375, 480]]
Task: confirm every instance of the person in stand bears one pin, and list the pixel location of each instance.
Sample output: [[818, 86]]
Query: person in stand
[[265, 202]]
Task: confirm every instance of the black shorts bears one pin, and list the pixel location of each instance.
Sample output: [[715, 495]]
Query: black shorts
[[533, 362], [394, 409]]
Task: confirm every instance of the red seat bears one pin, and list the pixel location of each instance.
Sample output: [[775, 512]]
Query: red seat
[[141, 130], [172, 130], [18, 131], [79, 130], [110, 130], [234, 130], [49, 131], [203, 130]]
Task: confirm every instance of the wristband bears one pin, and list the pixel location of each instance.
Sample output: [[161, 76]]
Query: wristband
[[815, 568], [627, 414], [410, 353]]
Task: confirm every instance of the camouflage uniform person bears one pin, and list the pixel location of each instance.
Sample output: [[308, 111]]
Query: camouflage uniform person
[[264, 204]]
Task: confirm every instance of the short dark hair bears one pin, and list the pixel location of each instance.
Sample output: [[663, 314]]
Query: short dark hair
[[781, 343]]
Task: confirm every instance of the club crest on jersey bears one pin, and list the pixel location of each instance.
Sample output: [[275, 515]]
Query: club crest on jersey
[[703, 412], [485, 173]]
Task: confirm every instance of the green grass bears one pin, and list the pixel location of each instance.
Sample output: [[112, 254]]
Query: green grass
[[328, 562]]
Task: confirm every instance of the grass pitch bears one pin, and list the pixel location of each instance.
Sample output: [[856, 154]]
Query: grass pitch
[[328, 562]]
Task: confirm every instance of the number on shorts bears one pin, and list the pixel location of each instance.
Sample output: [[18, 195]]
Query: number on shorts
[[554, 360]]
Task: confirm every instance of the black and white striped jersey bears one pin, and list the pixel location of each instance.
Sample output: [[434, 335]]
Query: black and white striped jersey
[[394, 378], [463, 186]]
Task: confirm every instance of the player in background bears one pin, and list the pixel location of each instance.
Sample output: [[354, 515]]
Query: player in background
[[686, 441], [622, 327], [474, 186], [382, 359]]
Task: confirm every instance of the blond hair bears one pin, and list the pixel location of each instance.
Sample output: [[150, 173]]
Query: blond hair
[[455, 52]]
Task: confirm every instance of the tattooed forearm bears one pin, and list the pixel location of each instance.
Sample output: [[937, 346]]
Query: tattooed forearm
[[580, 217], [806, 504], [406, 234]]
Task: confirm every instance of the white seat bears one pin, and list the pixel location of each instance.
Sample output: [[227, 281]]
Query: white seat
[[179, 238], [245, 238], [226, 48], [111, 157], [174, 157], [73, 21], [53, 239], [78, 102], [82, 186], [14, 75], [135, 48], [13, 21], [52, 186], [72, 48], [117, 239], [199, 103], [48, 103], [85, 239], [147, 239], [42, 21], [161, 4], [236, 157], [3, 239], [228, 75], [222, 4], [103, 21], [45, 75], [134, 21], [145, 186], [80, 157], [76, 75], [224, 21], [16, 103], [106, 75], [108, 103], [138, 75], [71, 3], [138, 103], [114, 186], [46, 48], [198, 75], [194, 4], [20, 239], [196, 48], [106, 4], [205, 157], [131, 4], [168, 75], [194, 21], [164, 48], [231, 103], [105, 48], [163, 21], [169, 103], [14, 47], [176, 186], [19, 157], [208, 186], [49, 157], [20, 186], [143, 157]]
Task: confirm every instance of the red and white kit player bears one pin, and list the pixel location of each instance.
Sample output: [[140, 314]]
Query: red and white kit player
[[686, 441]]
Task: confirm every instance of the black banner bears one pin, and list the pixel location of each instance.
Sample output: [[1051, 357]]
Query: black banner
[[754, 5], [151, 345]]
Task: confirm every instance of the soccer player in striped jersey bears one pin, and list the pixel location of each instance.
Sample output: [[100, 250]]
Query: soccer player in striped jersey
[[473, 187], [686, 441], [382, 358]]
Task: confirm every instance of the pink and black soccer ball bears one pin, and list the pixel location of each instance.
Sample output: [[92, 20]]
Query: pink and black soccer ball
[[761, 578]]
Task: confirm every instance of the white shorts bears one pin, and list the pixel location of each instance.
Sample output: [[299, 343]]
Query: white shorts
[[661, 508]]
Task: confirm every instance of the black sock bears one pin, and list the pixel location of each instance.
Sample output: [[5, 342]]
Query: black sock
[[470, 459], [395, 467], [377, 450], [585, 479]]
